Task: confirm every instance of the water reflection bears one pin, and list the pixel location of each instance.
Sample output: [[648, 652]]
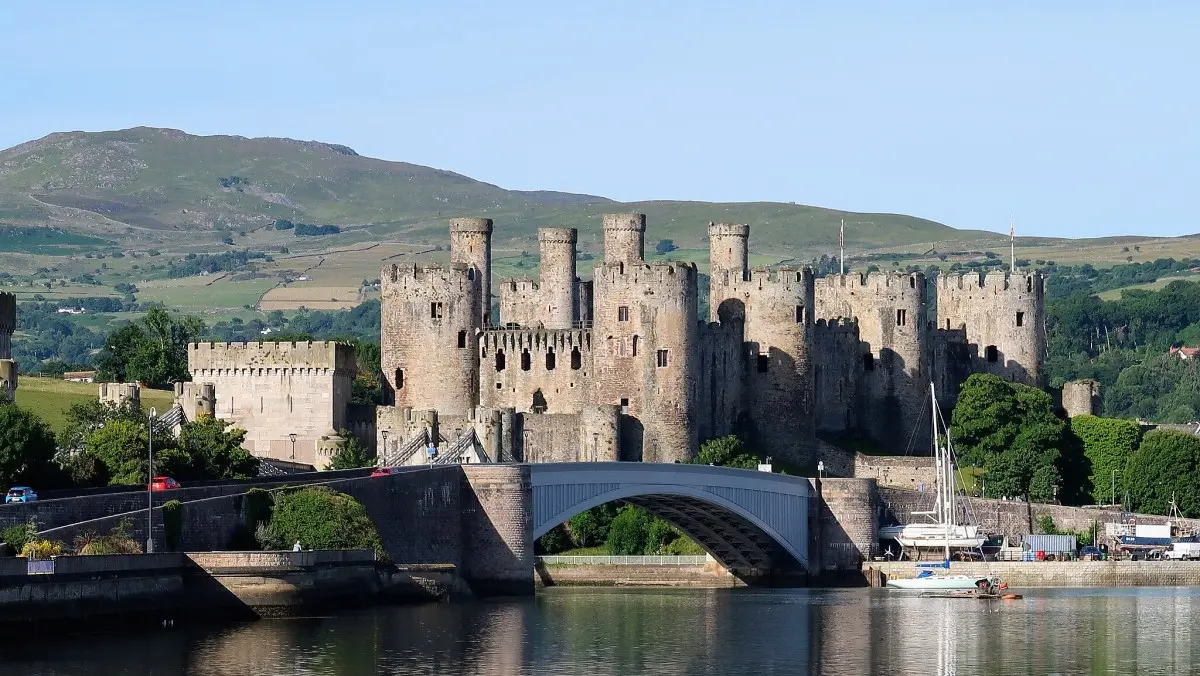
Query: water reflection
[[646, 631]]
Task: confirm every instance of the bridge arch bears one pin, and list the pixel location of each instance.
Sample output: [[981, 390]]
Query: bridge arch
[[752, 522]]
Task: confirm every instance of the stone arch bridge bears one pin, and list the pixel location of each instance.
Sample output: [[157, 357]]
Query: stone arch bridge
[[754, 523]]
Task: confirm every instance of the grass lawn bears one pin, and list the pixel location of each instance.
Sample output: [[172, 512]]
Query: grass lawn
[[1115, 294], [50, 398]]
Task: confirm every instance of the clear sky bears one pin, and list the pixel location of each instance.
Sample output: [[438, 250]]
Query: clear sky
[[1078, 118]]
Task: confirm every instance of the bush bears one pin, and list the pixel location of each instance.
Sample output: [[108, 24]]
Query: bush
[[172, 515], [628, 534], [557, 540], [321, 518], [41, 549], [351, 455], [16, 536], [590, 528]]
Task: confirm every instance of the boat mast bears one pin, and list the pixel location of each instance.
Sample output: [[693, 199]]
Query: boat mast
[[939, 460]]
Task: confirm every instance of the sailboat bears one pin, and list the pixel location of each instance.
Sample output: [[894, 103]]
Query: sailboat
[[942, 530]]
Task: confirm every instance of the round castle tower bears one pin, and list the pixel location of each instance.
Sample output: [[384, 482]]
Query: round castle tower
[[624, 238], [471, 244], [428, 346], [727, 268], [558, 290], [8, 323]]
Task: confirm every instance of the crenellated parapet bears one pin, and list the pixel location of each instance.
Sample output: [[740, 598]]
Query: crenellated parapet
[[1003, 315], [995, 280], [264, 358], [535, 339], [536, 370], [624, 238], [430, 279]]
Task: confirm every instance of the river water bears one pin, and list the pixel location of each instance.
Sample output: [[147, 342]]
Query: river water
[[674, 631]]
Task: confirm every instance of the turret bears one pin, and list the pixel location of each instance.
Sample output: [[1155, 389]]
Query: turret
[[1004, 315], [471, 244], [559, 294], [624, 238], [8, 323]]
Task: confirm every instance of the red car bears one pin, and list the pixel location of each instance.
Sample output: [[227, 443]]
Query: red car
[[386, 471], [163, 483]]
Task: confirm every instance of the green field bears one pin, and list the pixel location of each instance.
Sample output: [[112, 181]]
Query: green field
[[1115, 294], [50, 398]]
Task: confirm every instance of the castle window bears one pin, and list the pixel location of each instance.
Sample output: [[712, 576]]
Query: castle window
[[901, 317], [623, 313], [763, 362], [471, 273], [993, 355], [947, 324], [435, 310], [799, 314], [1029, 284], [661, 359], [1020, 319], [499, 360], [912, 281], [550, 360], [399, 379], [576, 359], [635, 344], [525, 361], [799, 276], [499, 386], [868, 362], [625, 406], [539, 404], [462, 339]]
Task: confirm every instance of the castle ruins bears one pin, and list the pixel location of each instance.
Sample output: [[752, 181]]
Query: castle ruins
[[8, 367]]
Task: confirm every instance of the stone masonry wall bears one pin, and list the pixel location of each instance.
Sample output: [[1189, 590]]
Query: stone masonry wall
[[559, 295], [549, 438], [1004, 317], [848, 523], [1034, 574], [497, 524], [720, 374], [536, 368], [1081, 397], [897, 471], [8, 323], [520, 303], [837, 371], [272, 390]]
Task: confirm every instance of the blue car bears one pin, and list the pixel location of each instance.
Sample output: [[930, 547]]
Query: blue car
[[20, 494]]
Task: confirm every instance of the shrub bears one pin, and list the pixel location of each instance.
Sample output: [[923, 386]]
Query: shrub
[[628, 534], [351, 455], [590, 528], [16, 536], [172, 515], [41, 549], [557, 540], [321, 518]]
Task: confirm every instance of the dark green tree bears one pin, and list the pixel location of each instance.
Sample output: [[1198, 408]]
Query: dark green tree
[[26, 448], [321, 518], [629, 532], [216, 452], [589, 528], [152, 350], [1165, 466], [352, 454], [1108, 444], [728, 451]]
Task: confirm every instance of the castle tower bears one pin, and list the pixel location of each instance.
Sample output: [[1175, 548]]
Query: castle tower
[[779, 373], [8, 323], [1004, 315], [1081, 397], [891, 310], [559, 294], [624, 238], [428, 342], [727, 268], [471, 244], [644, 346]]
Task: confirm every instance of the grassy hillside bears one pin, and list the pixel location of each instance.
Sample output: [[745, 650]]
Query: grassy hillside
[[50, 398], [155, 185]]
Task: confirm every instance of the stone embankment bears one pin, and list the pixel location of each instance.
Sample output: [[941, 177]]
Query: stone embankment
[[633, 571], [1024, 574], [86, 590]]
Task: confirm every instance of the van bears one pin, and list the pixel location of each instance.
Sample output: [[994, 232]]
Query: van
[[1183, 551]]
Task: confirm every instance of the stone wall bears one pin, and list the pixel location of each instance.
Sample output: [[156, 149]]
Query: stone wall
[[1066, 573], [520, 301], [1004, 317], [8, 323], [624, 238], [497, 520], [275, 389], [847, 521], [1081, 397], [837, 372], [549, 438], [897, 471], [119, 394], [720, 371], [471, 246], [710, 575], [542, 370], [8, 379], [557, 271]]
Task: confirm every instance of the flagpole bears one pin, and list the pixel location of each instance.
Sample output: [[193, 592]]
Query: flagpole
[[842, 247], [1012, 234]]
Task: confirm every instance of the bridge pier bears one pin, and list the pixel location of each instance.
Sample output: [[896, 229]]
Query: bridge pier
[[497, 529]]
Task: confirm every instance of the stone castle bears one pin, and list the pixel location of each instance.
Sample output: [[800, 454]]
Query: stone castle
[[621, 368], [8, 367]]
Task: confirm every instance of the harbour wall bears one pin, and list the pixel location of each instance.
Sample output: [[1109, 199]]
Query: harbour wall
[[1019, 574], [662, 573]]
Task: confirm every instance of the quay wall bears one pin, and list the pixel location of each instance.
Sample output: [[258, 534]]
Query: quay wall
[[1019, 574], [601, 575]]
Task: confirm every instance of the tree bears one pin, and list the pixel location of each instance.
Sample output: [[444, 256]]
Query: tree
[[123, 446], [628, 534], [352, 454], [26, 448], [216, 452], [1011, 431], [664, 246], [321, 518], [86, 417], [1108, 443], [728, 451], [152, 351], [590, 527], [1165, 466]]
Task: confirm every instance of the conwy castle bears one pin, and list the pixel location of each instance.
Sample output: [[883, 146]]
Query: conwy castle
[[620, 367]]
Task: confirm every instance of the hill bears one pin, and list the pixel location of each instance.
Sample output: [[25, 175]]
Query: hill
[[147, 186]]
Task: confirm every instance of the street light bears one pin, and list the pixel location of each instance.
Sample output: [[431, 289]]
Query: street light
[[820, 469], [150, 485], [1114, 487], [292, 436], [383, 455]]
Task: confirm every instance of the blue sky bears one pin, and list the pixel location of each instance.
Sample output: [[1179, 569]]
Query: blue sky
[[1080, 119]]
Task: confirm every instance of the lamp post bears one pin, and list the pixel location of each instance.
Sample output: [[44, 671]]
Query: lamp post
[[820, 469], [150, 484], [383, 456], [1114, 487], [292, 436]]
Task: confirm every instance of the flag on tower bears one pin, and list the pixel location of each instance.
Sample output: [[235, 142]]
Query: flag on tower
[[842, 234]]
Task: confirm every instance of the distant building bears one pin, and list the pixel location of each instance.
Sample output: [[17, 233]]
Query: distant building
[[1185, 352], [71, 311], [80, 376]]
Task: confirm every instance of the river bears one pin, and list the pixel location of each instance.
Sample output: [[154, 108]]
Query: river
[[673, 631]]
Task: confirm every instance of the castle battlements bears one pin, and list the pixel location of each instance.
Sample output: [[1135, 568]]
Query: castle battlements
[[457, 278], [784, 275], [996, 280], [636, 222], [728, 229], [476, 225], [559, 235], [256, 357], [652, 272], [837, 325], [561, 340], [520, 284], [877, 281]]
